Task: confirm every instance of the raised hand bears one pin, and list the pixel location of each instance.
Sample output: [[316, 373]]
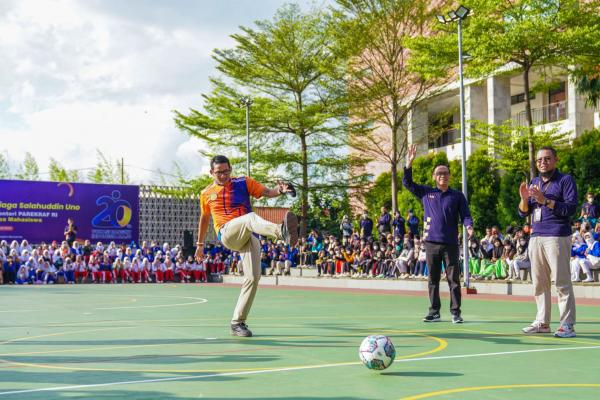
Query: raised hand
[[524, 191], [411, 154], [537, 194]]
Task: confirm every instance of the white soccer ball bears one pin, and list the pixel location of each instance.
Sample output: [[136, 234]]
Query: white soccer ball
[[377, 352]]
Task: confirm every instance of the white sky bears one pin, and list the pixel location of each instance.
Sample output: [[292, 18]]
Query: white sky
[[77, 76]]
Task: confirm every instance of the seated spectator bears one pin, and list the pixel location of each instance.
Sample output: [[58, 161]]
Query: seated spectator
[[474, 256], [507, 260], [68, 272], [23, 276], [593, 251], [579, 261]]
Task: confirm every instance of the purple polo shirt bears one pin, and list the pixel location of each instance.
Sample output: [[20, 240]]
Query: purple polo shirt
[[555, 222], [443, 210]]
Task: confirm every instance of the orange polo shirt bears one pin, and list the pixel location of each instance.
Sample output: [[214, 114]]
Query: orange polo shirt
[[229, 201]]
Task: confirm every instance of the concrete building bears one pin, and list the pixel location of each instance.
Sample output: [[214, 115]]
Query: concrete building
[[496, 100]]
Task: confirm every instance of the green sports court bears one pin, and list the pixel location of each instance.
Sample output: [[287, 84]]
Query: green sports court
[[172, 342]]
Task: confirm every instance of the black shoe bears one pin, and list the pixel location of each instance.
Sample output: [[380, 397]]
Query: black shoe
[[289, 229], [435, 317], [457, 319], [240, 329]]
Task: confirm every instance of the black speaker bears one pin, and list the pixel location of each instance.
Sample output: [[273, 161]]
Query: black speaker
[[188, 239], [188, 244]]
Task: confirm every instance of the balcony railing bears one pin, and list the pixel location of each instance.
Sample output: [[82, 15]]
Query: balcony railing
[[551, 113]]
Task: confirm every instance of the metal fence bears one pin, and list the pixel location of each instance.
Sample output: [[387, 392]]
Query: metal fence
[[543, 115], [165, 217]]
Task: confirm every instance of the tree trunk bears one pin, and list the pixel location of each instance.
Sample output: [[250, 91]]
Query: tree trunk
[[394, 170], [529, 118]]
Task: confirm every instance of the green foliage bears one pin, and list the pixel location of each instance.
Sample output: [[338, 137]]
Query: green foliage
[[482, 189], [60, 174], [186, 188], [587, 80], [382, 84], [548, 36], [509, 142], [508, 198], [379, 195], [5, 172], [299, 114], [107, 171], [29, 169], [582, 161], [325, 212]]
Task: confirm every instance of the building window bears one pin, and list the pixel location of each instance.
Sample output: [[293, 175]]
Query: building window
[[520, 98], [441, 132]]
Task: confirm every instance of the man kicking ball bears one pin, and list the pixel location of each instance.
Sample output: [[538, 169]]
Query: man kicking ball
[[227, 200]]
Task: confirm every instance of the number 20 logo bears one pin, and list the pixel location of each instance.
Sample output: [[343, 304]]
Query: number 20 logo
[[116, 212]]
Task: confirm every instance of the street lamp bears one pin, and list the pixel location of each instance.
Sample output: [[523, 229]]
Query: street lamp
[[247, 102], [459, 15]]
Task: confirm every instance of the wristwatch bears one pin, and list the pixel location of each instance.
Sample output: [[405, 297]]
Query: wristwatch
[[547, 202]]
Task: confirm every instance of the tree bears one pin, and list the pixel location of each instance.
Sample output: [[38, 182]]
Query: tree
[[107, 171], [299, 114], [60, 174], [509, 146], [379, 194], [383, 84], [583, 162], [508, 197], [326, 212], [542, 35], [588, 84], [484, 186], [29, 169], [4, 167]]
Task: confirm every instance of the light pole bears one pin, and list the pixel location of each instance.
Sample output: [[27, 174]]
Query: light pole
[[247, 102], [459, 15]]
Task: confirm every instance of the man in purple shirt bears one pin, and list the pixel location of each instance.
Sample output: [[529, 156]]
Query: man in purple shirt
[[551, 200], [443, 208]]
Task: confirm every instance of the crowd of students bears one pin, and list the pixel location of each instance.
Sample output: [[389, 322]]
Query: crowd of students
[[22, 263], [397, 251]]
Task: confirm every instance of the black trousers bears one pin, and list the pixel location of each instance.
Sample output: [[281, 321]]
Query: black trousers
[[449, 255]]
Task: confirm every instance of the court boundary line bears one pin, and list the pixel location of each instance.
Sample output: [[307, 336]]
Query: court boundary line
[[285, 369], [496, 387], [442, 344]]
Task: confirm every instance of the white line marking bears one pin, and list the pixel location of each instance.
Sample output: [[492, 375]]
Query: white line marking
[[187, 377], [199, 301]]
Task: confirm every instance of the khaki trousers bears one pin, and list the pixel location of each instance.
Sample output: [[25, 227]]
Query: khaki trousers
[[238, 235], [550, 261]]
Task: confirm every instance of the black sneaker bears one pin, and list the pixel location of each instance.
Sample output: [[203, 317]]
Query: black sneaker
[[289, 229], [240, 329], [435, 317], [457, 319]]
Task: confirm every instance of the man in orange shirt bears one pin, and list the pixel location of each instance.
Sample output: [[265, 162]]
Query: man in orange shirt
[[227, 200]]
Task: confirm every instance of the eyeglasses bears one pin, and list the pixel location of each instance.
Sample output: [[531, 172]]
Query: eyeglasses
[[444, 173], [541, 159], [221, 173]]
